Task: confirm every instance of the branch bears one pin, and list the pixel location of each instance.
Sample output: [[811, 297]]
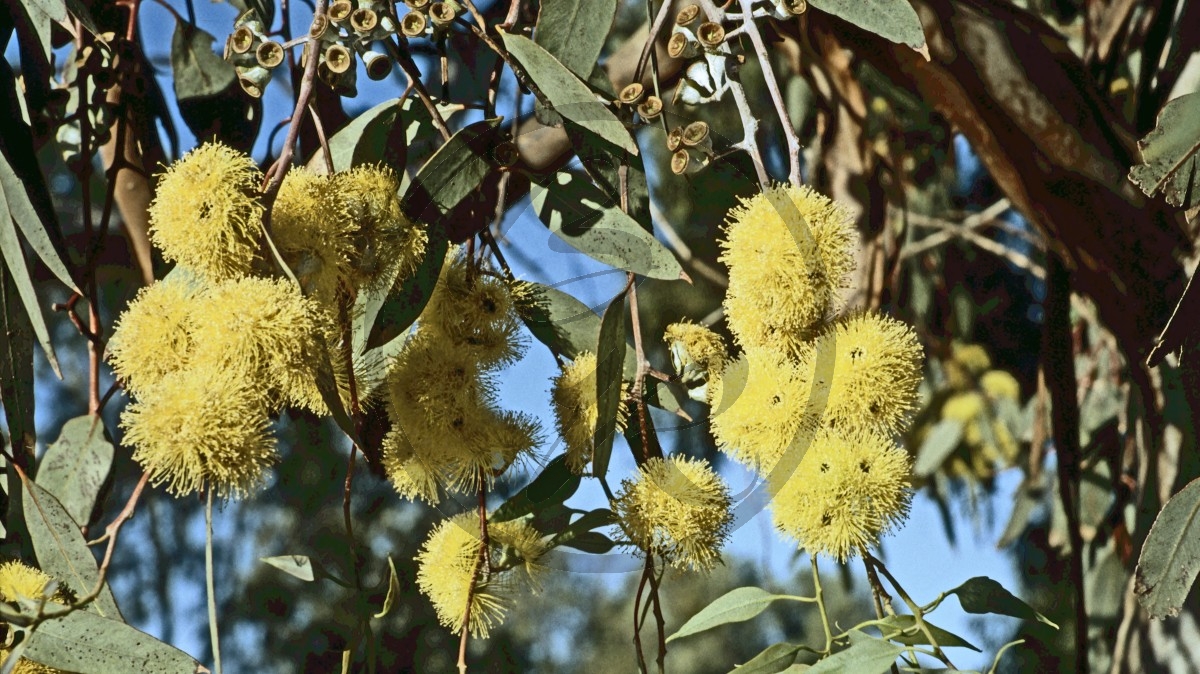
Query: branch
[[764, 60]]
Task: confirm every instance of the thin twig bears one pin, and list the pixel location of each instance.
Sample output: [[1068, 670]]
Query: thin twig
[[213, 631], [326, 154], [481, 568], [764, 60], [659, 19], [917, 613]]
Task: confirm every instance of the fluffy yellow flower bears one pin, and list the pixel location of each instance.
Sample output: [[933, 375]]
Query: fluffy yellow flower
[[415, 475], [153, 337], [789, 251], [475, 312], [202, 428], [679, 508], [389, 245], [698, 355], [206, 213], [761, 405], [873, 377], [573, 395], [850, 489], [449, 569], [312, 227], [998, 384]]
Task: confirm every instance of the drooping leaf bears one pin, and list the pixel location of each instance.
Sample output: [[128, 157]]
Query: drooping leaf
[[555, 484], [866, 655], [16, 367], [1171, 155], [298, 566], [600, 517], [61, 549], [393, 590], [578, 212], [1170, 556], [984, 595], [734, 606], [573, 31], [389, 312], [592, 542], [198, 70], [937, 447], [895, 20], [610, 358], [87, 643], [76, 466], [452, 173], [561, 322], [567, 93], [18, 272], [606, 165], [381, 134], [773, 659], [903, 629]]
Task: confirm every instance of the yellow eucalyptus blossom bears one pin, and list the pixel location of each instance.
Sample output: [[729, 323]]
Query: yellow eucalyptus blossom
[[698, 355], [389, 245], [874, 374], [999, 385], [451, 568], [153, 336], [850, 488], [415, 475], [202, 428], [475, 312], [314, 232], [265, 330], [789, 251], [18, 579], [679, 508], [206, 212], [761, 405], [573, 395]]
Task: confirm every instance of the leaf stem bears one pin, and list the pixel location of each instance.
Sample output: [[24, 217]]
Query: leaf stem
[[820, 599]]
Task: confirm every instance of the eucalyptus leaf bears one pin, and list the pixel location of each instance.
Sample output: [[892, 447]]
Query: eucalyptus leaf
[[298, 566], [773, 659], [554, 485], [16, 367], [1170, 557], [62, 552], [198, 71], [895, 20], [391, 310], [984, 595], [591, 542], [381, 134], [77, 465], [573, 31], [903, 629], [600, 517], [866, 655], [452, 173], [18, 272], [569, 96], [610, 357], [941, 441], [734, 606], [393, 590], [1171, 155], [90, 644]]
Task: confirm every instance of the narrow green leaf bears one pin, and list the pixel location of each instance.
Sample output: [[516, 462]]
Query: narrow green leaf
[[14, 259], [1171, 155], [903, 629], [581, 214], [198, 70], [299, 566], [941, 441], [61, 549], [570, 97], [55, 10], [76, 466], [866, 655], [555, 484], [984, 595], [895, 20], [610, 357], [600, 517], [561, 322], [393, 590], [16, 367], [773, 659], [591, 542], [402, 304], [734, 606], [381, 134], [452, 173], [573, 31], [1170, 556], [605, 164], [87, 643]]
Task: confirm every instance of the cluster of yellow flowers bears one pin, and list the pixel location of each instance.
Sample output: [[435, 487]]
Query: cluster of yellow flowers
[[813, 404], [447, 432], [218, 346], [17, 580]]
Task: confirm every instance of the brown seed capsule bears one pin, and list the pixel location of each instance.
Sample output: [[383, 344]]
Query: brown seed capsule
[[650, 108], [378, 65], [687, 15], [680, 46], [796, 7], [413, 24], [363, 20], [340, 11], [338, 59], [696, 135], [417, 4], [320, 27], [269, 54], [442, 13], [710, 34], [681, 162], [632, 93], [254, 80], [242, 40], [675, 138]]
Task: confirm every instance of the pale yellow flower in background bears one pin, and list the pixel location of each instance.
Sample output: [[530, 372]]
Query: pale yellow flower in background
[[876, 369], [964, 407], [850, 489], [202, 428], [1000, 385], [389, 246], [678, 508], [789, 252], [312, 227], [153, 336], [576, 410], [206, 212], [759, 406], [698, 355], [450, 568]]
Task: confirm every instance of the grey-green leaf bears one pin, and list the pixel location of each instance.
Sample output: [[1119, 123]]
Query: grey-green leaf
[[555, 484], [62, 552], [573, 31], [393, 590], [391, 309], [585, 217], [895, 20], [866, 655], [198, 70], [903, 629], [18, 272], [937, 447], [561, 322], [984, 595], [299, 566], [76, 466], [89, 644], [610, 358], [592, 542], [1171, 155], [1170, 556], [734, 606], [453, 172], [381, 134], [773, 659], [16, 367], [567, 93]]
